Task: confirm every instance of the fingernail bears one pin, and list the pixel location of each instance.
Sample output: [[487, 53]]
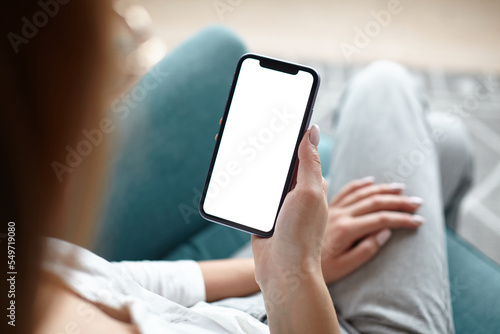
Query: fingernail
[[314, 135], [418, 219], [383, 236], [397, 186], [416, 200], [367, 179]]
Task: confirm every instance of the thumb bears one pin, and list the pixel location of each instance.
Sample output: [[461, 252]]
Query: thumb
[[309, 170]]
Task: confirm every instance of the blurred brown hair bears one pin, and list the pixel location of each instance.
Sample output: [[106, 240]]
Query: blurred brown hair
[[52, 88]]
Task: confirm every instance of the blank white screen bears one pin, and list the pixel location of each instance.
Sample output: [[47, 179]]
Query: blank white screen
[[257, 145]]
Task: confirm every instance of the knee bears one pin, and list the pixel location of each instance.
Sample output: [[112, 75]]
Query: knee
[[225, 37], [386, 75], [452, 139]]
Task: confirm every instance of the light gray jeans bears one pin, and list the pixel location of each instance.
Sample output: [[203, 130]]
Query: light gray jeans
[[383, 129]]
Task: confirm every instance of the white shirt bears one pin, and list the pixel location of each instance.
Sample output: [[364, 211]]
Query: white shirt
[[160, 296]]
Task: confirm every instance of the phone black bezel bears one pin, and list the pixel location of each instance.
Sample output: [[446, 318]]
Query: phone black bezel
[[278, 65]]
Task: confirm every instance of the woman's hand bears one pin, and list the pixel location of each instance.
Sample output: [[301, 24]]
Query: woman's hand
[[301, 221], [288, 265], [359, 221]]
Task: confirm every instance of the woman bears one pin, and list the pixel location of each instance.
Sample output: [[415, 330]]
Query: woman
[[60, 77]]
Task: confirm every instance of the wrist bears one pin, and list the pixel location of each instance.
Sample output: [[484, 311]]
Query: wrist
[[291, 308], [289, 278], [228, 278]]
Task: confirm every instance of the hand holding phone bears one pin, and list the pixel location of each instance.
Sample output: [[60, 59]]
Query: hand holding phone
[[296, 246], [267, 113]]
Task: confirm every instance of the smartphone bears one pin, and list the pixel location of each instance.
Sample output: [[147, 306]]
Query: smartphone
[[268, 110]]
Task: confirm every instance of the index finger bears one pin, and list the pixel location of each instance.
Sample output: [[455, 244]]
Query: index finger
[[360, 194], [352, 187]]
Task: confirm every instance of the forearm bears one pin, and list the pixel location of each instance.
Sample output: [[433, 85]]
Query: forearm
[[228, 278], [300, 306]]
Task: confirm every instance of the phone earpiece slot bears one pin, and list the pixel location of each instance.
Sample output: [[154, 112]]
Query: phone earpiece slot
[[279, 66]]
